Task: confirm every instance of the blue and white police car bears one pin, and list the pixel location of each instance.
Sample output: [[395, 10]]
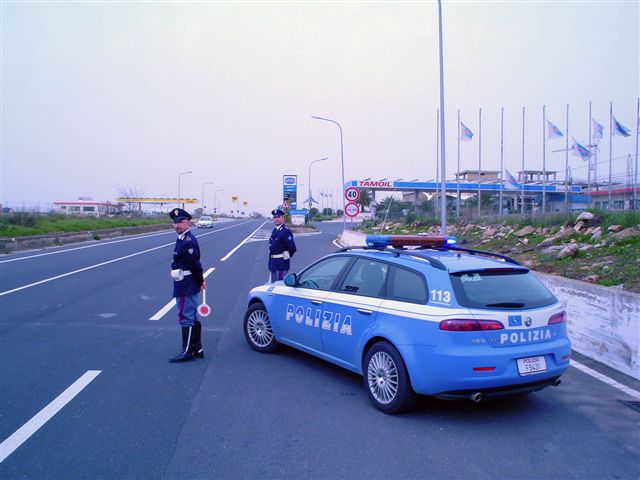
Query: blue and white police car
[[418, 315]]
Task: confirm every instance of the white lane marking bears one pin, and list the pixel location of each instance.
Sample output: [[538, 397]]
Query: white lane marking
[[43, 416], [137, 237], [40, 282], [224, 259], [85, 246], [163, 311], [603, 378], [337, 244]]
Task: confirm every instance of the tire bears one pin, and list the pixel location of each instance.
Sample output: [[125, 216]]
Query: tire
[[386, 379], [257, 329]]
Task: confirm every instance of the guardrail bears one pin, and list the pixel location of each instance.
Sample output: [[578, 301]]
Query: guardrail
[[10, 245]]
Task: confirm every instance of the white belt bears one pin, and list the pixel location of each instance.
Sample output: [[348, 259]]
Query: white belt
[[179, 274], [280, 255], [186, 272]]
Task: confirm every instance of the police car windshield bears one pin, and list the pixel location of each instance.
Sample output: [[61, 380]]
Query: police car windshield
[[502, 289]]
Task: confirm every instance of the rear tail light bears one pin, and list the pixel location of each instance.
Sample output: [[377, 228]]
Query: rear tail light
[[558, 318], [463, 325]]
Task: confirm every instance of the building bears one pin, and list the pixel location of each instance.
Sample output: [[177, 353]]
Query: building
[[87, 208]]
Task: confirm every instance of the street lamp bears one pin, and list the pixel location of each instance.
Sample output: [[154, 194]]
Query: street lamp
[[202, 198], [344, 224], [314, 161], [215, 200], [179, 176]]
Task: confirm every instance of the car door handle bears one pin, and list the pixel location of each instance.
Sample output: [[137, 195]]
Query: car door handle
[[316, 302], [364, 311]]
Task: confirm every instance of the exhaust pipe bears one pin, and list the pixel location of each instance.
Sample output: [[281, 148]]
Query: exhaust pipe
[[476, 397], [556, 382]]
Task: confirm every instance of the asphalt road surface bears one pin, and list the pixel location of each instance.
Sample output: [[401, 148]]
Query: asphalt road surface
[[87, 390]]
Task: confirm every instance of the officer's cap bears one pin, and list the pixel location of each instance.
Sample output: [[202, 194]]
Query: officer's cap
[[178, 214], [277, 212]]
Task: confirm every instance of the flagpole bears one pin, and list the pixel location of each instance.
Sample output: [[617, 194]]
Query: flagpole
[[458, 173], [544, 159], [479, 154], [566, 166], [589, 163], [610, 151], [435, 193], [635, 178], [501, 158], [522, 173]]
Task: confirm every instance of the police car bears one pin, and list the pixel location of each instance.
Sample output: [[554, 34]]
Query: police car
[[418, 315]]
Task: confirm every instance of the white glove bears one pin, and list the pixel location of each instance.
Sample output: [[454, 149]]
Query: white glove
[[177, 274], [286, 255]]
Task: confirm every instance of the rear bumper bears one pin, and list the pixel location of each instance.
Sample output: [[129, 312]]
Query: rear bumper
[[449, 370]]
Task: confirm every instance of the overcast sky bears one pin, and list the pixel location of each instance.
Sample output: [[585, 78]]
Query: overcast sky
[[102, 95]]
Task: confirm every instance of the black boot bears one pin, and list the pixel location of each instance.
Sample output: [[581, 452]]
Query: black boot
[[196, 343], [187, 353]]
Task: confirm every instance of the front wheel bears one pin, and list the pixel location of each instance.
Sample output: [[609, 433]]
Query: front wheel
[[386, 379], [257, 329]]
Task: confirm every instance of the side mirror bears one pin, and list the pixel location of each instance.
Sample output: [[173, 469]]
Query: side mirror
[[291, 280]]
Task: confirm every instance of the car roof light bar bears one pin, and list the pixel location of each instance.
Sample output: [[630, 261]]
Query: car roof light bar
[[398, 241]]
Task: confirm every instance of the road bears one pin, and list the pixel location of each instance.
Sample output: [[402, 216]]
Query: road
[[82, 314]]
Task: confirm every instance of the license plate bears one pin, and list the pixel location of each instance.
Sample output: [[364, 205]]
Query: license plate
[[531, 365]]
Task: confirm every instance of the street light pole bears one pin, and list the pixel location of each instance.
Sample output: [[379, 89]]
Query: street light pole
[[314, 161], [215, 200], [202, 198], [344, 224], [443, 191], [179, 176]]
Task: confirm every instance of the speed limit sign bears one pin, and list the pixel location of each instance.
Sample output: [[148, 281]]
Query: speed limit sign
[[351, 209], [352, 194]]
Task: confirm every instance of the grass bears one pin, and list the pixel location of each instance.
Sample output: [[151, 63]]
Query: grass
[[26, 224]]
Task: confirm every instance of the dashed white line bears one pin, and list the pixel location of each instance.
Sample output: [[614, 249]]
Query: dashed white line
[[224, 259], [43, 416], [163, 311]]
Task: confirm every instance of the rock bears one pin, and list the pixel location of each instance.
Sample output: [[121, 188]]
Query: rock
[[625, 234], [547, 241], [579, 226], [592, 278], [615, 228], [524, 241], [546, 231], [528, 230], [586, 248], [552, 249], [596, 235], [586, 216], [568, 251]]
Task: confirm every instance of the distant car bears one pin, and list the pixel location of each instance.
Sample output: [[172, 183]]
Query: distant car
[[205, 221], [437, 320]]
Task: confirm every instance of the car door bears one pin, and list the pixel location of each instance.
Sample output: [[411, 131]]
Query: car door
[[351, 310], [300, 308]]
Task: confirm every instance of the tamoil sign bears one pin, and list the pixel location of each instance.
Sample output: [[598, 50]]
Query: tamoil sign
[[290, 191]]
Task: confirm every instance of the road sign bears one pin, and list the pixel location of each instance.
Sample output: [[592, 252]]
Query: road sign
[[234, 198], [351, 209], [352, 194]]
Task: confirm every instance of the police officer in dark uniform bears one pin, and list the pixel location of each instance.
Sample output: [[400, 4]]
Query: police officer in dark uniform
[[188, 280], [281, 247]]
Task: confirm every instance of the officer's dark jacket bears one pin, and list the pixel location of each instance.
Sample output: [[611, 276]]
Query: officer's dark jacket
[[281, 240], [186, 256]]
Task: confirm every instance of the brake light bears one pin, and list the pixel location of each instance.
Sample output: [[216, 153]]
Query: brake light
[[464, 325], [558, 318]]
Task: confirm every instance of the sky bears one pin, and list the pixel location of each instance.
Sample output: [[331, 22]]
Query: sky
[[109, 96]]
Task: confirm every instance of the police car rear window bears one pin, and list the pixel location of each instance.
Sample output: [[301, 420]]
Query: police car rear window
[[503, 289]]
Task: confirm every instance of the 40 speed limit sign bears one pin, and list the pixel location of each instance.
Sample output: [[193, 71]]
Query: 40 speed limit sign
[[351, 209], [352, 194]]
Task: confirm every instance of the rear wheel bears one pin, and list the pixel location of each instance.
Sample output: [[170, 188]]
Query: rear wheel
[[257, 329], [387, 380]]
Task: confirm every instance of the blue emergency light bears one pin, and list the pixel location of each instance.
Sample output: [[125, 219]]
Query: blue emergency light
[[398, 241]]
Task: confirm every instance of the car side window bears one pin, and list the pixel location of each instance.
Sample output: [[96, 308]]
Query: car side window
[[322, 275], [407, 286], [366, 277]]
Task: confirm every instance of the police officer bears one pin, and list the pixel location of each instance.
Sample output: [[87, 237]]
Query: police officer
[[188, 280], [281, 247]]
